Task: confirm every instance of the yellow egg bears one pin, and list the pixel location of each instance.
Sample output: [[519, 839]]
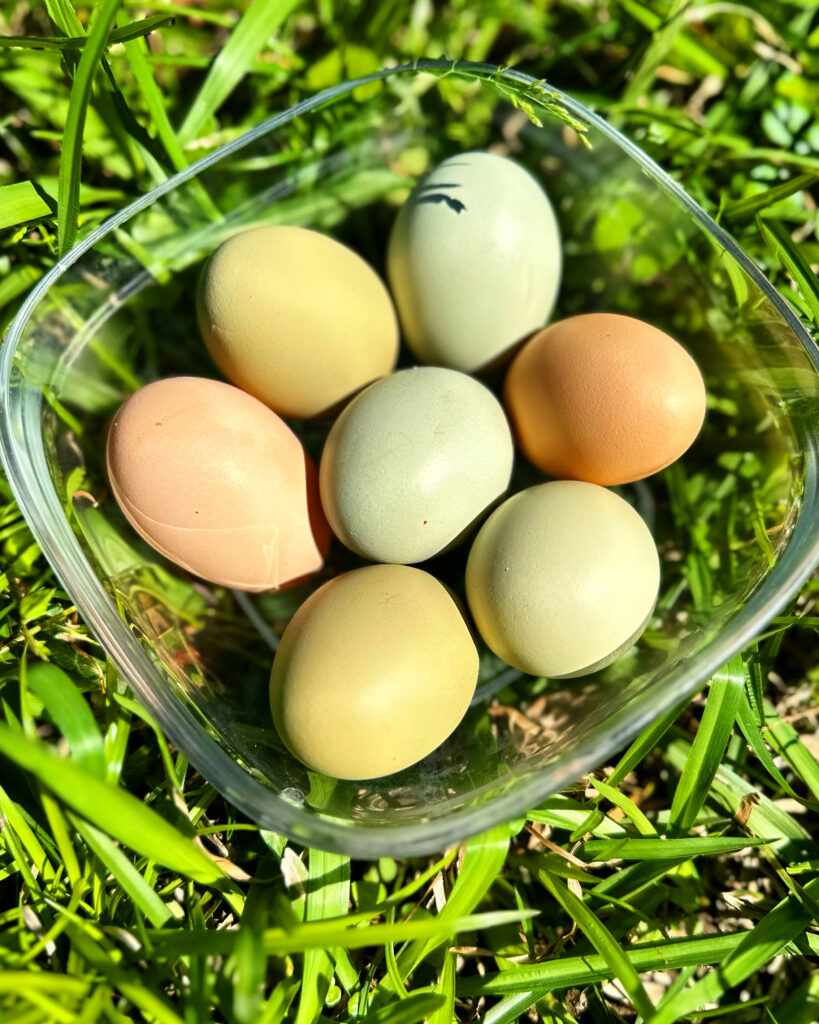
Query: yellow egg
[[296, 319], [374, 671]]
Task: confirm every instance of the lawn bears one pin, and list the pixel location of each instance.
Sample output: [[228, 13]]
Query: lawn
[[680, 881]]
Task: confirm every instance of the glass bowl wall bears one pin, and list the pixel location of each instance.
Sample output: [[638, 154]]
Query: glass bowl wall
[[735, 520]]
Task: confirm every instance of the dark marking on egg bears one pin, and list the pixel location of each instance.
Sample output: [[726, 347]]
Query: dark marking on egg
[[440, 197]]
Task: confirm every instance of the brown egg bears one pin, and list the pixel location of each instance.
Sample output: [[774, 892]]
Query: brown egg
[[604, 398], [215, 481]]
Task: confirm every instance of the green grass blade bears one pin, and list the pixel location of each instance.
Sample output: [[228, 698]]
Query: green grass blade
[[250, 970], [512, 1008], [151, 93], [661, 42], [260, 20], [125, 873], [152, 1005], [21, 203], [321, 934], [562, 812], [724, 698], [65, 17], [793, 259], [275, 1009], [42, 981], [110, 808], [135, 30], [482, 863], [632, 812], [328, 896], [685, 45], [68, 202], [743, 801], [752, 205], [801, 1006], [644, 744], [603, 941], [62, 837], [445, 987], [23, 844], [131, 985], [17, 281], [137, 710], [140, 29], [69, 711], [660, 848], [411, 888], [393, 973], [573, 971], [748, 723], [786, 742], [761, 944], [110, 102], [422, 1006]]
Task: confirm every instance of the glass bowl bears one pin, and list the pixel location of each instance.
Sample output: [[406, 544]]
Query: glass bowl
[[735, 520]]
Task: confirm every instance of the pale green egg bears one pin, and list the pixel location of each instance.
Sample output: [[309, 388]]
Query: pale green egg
[[562, 578], [413, 462], [474, 261]]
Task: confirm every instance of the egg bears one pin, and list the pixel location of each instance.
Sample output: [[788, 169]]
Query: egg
[[474, 261], [216, 482], [296, 319], [374, 671], [413, 462], [604, 398], [562, 578]]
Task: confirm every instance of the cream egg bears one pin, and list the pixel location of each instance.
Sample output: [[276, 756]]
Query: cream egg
[[374, 671], [474, 261], [562, 578], [296, 319], [413, 462], [604, 398], [216, 482]]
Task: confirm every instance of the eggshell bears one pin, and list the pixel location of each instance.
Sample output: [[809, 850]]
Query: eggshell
[[474, 261], [562, 578], [374, 671], [412, 462], [215, 481], [604, 398], [296, 319]]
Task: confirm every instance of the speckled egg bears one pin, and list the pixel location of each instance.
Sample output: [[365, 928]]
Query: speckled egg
[[374, 671], [474, 261], [216, 482], [413, 462], [296, 319], [562, 578], [604, 398]]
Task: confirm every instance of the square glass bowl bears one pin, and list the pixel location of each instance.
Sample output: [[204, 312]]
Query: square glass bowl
[[735, 520]]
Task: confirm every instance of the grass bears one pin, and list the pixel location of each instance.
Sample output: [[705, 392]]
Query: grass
[[678, 884]]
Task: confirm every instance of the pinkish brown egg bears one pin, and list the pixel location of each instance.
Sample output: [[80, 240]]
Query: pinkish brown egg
[[218, 483]]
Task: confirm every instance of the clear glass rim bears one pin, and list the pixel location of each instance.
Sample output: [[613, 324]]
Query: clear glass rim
[[31, 484]]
